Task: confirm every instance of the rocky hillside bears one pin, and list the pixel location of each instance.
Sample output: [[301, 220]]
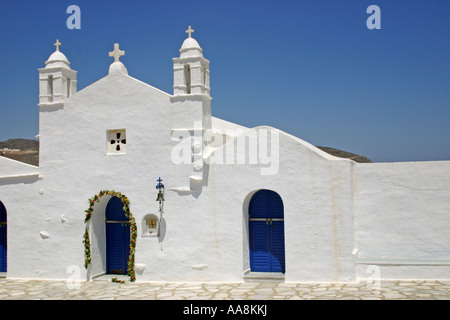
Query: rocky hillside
[[26, 150], [345, 154]]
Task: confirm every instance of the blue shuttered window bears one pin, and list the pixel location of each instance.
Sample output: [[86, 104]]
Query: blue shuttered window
[[266, 228]]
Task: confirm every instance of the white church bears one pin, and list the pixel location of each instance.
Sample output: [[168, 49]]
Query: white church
[[149, 186]]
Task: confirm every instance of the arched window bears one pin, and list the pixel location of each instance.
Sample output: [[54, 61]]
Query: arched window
[[266, 232], [69, 86], [187, 78], [50, 88]]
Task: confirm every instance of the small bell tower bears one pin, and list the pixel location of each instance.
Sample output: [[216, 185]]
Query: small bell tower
[[57, 81], [191, 84], [191, 107], [191, 69]]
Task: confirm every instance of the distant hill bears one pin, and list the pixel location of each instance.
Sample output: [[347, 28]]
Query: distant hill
[[22, 144], [23, 150], [28, 151], [345, 154]]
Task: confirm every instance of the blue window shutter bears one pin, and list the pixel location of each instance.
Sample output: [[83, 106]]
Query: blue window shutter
[[259, 247], [277, 250], [276, 206], [260, 205], [267, 249]]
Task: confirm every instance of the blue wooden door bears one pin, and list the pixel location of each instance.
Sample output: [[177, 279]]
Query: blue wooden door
[[266, 232], [3, 233], [117, 238]]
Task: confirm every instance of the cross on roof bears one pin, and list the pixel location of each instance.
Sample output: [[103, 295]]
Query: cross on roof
[[57, 44], [189, 31], [117, 53]]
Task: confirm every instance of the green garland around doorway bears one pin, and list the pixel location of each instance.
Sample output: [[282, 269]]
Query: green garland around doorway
[[133, 233]]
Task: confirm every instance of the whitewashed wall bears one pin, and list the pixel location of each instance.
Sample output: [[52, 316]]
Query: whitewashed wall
[[316, 190], [19, 192], [75, 165], [402, 218]]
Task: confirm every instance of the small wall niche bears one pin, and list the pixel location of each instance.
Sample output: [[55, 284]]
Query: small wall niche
[[150, 226]]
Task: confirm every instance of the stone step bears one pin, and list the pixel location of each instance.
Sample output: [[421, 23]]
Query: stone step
[[264, 276]]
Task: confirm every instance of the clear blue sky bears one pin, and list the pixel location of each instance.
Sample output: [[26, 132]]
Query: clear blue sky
[[308, 67]]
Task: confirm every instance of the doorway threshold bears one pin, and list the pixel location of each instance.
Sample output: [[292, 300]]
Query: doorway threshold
[[264, 276], [109, 277]]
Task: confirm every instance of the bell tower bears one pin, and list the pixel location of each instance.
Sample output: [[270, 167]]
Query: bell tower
[[191, 108], [57, 81], [191, 83], [191, 69]]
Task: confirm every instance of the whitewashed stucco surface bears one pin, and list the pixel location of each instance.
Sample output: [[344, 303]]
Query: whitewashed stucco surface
[[402, 214]]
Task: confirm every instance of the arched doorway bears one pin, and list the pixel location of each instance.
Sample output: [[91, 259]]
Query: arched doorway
[[3, 238], [266, 232], [117, 237]]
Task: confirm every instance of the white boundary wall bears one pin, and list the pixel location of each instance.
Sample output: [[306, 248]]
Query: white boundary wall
[[402, 220]]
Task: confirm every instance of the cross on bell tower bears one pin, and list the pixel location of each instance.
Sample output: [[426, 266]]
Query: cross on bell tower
[[189, 31], [57, 44]]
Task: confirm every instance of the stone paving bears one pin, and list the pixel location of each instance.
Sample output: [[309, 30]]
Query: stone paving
[[12, 289]]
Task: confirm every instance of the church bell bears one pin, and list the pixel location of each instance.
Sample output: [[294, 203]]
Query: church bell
[[160, 197]]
